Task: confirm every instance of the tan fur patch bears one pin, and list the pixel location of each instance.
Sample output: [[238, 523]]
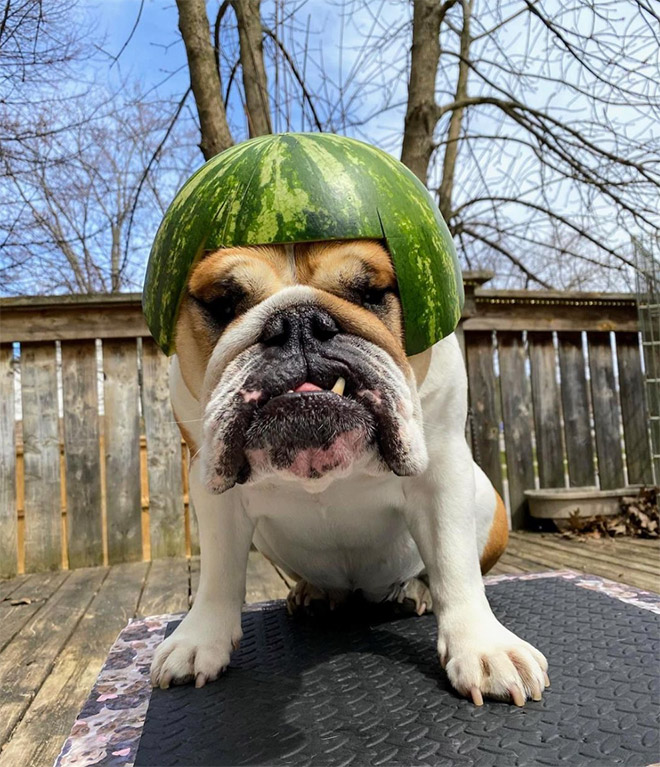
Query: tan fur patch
[[361, 322], [332, 266], [260, 269], [194, 346], [498, 537], [324, 264]]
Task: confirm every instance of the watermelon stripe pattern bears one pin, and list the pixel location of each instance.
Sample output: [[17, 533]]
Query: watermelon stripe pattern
[[305, 187]]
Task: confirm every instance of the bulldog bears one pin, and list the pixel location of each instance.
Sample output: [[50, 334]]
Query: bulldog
[[312, 435]]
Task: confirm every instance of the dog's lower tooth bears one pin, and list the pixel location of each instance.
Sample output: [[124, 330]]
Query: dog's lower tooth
[[338, 388]]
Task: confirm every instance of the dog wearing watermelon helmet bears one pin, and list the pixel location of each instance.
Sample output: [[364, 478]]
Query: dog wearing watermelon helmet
[[308, 291]]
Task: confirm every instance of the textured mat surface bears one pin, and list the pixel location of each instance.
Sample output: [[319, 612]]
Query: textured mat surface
[[371, 692]]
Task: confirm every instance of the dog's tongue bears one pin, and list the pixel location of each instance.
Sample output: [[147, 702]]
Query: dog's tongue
[[307, 386]]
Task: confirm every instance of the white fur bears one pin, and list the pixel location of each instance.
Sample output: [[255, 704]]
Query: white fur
[[363, 531]]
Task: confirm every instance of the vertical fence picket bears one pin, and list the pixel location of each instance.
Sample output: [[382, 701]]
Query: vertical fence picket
[[485, 422], [166, 510], [122, 450], [547, 410], [575, 404], [82, 450], [606, 411], [517, 416], [41, 457], [633, 409], [8, 494]]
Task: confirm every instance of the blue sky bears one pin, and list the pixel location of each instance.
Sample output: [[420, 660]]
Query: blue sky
[[154, 52]]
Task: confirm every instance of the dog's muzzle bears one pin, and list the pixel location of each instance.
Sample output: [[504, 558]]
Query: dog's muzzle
[[307, 401]]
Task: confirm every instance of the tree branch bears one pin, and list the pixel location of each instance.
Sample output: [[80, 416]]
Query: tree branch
[[500, 249], [294, 69]]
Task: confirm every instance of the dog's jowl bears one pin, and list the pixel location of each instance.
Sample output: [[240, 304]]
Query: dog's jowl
[[314, 435]]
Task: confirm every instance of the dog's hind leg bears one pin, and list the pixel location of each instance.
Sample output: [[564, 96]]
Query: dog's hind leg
[[305, 595], [415, 590]]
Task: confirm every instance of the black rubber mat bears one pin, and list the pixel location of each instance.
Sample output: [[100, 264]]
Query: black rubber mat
[[368, 690]]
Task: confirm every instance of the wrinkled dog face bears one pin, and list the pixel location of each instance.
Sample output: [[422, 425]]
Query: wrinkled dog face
[[297, 359]]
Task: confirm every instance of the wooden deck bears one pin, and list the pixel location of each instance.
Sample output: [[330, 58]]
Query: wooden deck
[[56, 628]]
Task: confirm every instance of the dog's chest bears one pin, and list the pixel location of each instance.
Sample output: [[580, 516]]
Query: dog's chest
[[352, 536]]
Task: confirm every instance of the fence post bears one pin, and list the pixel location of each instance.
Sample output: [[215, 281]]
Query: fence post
[[8, 516]]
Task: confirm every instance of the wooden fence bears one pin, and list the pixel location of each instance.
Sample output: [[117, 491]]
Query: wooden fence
[[93, 470]]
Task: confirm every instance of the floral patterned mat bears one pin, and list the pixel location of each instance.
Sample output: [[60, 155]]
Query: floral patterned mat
[[108, 729]]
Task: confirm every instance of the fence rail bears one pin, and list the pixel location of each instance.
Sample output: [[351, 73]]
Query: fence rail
[[93, 470]]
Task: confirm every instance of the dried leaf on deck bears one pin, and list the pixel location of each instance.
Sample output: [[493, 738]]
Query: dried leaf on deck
[[639, 517]]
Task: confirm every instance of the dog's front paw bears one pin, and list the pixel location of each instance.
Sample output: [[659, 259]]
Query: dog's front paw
[[485, 658], [198, 650]]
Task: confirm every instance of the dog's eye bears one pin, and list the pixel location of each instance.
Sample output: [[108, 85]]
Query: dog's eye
[[374, 296], [221, 309]]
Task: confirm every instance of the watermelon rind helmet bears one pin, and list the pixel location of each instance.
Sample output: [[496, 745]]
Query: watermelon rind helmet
[[307, 187]]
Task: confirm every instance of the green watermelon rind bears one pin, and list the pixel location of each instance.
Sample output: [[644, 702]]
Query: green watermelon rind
[[302, 188]]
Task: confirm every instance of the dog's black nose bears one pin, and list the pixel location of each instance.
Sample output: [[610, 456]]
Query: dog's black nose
[[299, 325]]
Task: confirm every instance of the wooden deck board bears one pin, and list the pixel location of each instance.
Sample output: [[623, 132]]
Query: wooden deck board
[[40, 734], [592, 552], [263, 582], [515, 564], [54, 647], [9, 585], [37, 588], [29, 657], [166, 589], [587, 559]]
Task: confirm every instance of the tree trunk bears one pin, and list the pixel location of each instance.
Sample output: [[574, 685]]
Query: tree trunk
[[421, 117], [204, 77], [252, 63], [456, 120]]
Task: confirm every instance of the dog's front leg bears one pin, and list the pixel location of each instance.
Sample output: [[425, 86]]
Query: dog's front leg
[[199, 649], [480, 655]]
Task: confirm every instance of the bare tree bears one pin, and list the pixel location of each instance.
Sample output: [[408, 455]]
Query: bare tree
[[72, 197], [422, 111], [83, 175], [37, 40], [38, 45], [533, 124]]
